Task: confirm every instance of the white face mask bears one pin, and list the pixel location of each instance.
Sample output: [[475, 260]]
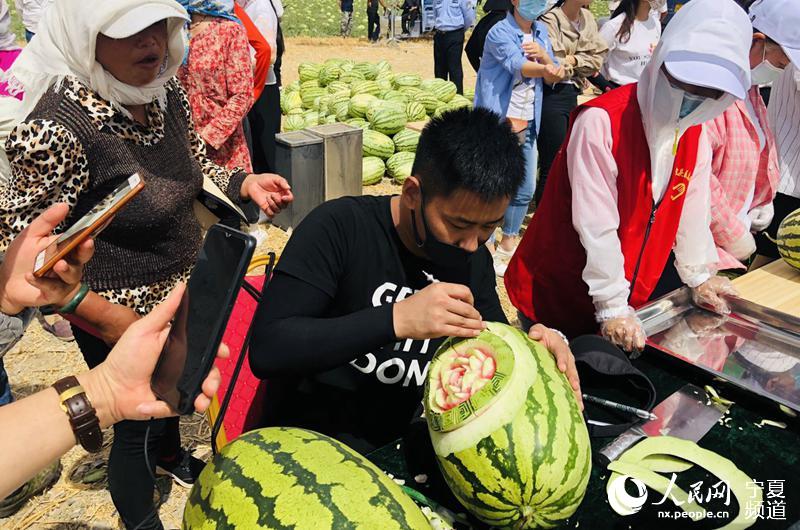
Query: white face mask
[[765, 73]]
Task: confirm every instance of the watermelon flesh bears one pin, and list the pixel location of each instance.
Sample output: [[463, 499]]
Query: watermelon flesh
[[507, 430], [465, 375]]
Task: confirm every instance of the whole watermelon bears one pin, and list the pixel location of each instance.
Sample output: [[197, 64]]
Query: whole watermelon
[[351, 77], [399, 166], [339, 86], [429, 101], [294, 122], [291, 100], [507, 430], [365, 87], [416, 111], [407, 80], [282, 477], [388, 119], [358, 122], [308, 71], [444, 90], [359, 104], [406, 140], [788, 237], [396, 96], [372, 170], [310, 95], [377, 144]]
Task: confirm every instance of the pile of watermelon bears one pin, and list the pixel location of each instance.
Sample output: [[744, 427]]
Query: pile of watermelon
[[372, 97]]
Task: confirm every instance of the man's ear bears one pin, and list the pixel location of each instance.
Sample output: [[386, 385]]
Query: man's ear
[[411, 196]]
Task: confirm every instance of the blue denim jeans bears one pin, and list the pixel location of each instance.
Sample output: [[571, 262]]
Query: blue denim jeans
[[518, 207], [5, 388]]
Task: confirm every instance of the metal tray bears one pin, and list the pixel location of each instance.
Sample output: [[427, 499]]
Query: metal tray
[[754, 348]]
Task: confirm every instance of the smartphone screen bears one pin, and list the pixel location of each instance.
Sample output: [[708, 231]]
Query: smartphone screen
[[200, 321], [91, 224]]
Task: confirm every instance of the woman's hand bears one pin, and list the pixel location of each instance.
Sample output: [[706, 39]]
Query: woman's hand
[[271, 192], [534, 52], [559, 348], [119, 387], [18, 286]]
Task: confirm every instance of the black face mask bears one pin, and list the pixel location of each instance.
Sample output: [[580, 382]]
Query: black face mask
[[443, 254]]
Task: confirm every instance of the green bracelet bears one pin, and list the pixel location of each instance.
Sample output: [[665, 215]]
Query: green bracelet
[[73, 304]]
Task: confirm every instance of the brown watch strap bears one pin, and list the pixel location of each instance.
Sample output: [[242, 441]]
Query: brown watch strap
[[82, 416]]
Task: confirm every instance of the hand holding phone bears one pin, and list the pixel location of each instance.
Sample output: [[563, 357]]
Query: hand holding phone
[[18, 286], [88, 226], [202, 316]]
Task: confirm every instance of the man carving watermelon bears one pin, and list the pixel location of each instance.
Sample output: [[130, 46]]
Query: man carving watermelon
[[630, 186], [368, 287]]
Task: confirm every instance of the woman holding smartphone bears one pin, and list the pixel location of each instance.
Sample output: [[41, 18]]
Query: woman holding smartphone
[[101, 103]]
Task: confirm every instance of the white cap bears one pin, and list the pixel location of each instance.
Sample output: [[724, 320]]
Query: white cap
[[709, 72], [142, 17], [780, 21]]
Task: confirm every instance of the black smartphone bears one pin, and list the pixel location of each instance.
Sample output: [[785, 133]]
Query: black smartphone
[[200, 321]]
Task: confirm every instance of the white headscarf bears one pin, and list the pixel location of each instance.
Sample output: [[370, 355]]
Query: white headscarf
[[712, 34], [65, 46]]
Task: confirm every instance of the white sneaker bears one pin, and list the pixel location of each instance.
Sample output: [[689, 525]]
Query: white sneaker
[[500, 260]]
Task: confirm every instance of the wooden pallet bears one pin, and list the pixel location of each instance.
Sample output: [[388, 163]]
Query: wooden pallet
[[776, 286]]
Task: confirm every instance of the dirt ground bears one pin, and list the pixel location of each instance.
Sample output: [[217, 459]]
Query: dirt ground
[[79, 499]]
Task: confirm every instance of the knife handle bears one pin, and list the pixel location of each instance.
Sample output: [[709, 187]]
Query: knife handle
[[620, 444]]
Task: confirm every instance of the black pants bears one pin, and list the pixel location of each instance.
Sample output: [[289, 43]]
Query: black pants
[[265, 123], [557, 104], [447, 49], [373, 25], [784, 205], [129, 481]]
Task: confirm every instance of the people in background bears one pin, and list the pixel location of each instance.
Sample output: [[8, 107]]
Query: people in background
[[265, 116], [632, 35], [9, 49], [784, 108], [409, 16], [87, 121], [580, 49], [370, 283], [495, 12], [517, 59], [745, 170], [374, 20], [346, 7], [451, 20], [218, 80], [31, 11], [632, 184], [260, 52]]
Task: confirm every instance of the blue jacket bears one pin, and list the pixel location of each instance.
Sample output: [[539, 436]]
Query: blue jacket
[[451, 15], [501, 63]]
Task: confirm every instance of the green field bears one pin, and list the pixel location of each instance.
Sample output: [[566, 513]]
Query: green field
[[320, 18]]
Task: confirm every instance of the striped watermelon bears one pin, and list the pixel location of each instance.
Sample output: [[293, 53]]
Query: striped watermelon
[[372, 170], [444, 90], [469, 93], [297, 110], [377, 144], [368, 70], [291, 100], [789, 239], [383, 67], [429, 101], [410, 91], [292, 87], [366, 87], [415, 111], [310, 95], [396, 96], [399, 166], [308, 71], [295, 122], [388, 119], [358, 122], [341, 109], [282, 477], [507, 430], [312, 83], [329, 120], [311, 118], [359, 104], [404, 80], [329, 73], [337, 87], [406, 140], [339, 97], [351, 77]]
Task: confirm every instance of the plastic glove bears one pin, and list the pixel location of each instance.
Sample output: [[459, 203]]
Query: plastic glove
[[626, 331], [709, 294], [761, 217], [742, 248]]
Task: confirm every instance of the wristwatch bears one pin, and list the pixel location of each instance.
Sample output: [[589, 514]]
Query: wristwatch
[[82, 416]]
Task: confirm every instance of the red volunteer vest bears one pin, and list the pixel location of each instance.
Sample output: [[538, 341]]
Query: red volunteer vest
[[544, 279]]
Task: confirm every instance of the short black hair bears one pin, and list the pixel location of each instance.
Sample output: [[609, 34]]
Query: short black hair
[[473, 149]]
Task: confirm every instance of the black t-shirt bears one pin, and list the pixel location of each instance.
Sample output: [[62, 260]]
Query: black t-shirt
[[350, 250], [372, 6]]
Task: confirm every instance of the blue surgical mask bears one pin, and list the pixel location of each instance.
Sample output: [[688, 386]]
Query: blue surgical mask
[[689, 104], [531, 9]]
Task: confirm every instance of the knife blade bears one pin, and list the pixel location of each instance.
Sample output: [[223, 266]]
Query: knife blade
[[684, 414]]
